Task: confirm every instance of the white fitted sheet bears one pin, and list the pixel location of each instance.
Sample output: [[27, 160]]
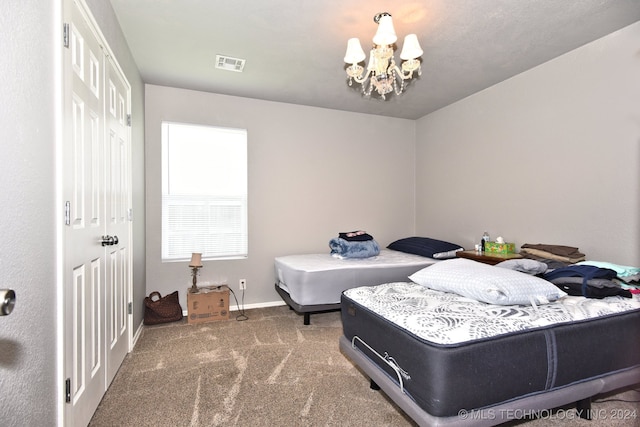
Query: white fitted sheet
[[312, 279]]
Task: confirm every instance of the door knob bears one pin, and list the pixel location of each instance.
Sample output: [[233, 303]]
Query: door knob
[[7, 301], [107, 241]]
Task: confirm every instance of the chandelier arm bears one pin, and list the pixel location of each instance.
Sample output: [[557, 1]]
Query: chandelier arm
[[363, 77], [401, 73]]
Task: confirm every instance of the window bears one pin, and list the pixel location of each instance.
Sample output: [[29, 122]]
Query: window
[[204, 192]]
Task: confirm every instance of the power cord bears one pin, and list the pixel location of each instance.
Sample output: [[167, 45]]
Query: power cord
[[242, 316]]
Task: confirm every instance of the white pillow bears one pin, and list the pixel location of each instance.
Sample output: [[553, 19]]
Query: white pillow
[[487, 283], [524, 265]]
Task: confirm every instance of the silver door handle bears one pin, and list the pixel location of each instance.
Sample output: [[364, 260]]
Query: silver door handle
[[109, 240], [7, 301]]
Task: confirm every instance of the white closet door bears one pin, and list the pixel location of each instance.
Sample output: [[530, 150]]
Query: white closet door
[[97, 194], [118, 225]]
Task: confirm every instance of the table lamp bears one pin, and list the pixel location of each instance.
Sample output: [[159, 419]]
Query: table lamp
[[195, 265]]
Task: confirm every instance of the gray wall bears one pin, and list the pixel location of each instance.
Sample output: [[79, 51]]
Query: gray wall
[[549, 156], [312, 173], [28, 388]]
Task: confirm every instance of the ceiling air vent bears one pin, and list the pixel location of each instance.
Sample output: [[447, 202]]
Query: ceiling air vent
[[229, 64]]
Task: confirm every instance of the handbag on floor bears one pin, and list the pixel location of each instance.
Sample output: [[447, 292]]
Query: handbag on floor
[[164, 309]]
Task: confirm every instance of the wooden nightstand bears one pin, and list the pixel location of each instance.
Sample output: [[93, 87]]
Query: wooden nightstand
[[487, 258]]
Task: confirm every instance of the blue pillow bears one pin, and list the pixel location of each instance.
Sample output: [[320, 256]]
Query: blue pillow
[[427, 247]]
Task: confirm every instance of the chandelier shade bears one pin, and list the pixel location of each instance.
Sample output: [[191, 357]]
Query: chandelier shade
[[382, 73], [354, 53], [411, 48], [386, 34]]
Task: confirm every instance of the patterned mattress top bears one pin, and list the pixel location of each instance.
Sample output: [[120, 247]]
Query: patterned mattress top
[[448, 318]]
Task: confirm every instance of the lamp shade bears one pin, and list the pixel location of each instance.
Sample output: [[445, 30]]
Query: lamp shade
[[411, 48], [354, 53], [196, 260], [386, 34]]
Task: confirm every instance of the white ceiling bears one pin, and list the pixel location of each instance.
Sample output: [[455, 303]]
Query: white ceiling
[[295, 48]]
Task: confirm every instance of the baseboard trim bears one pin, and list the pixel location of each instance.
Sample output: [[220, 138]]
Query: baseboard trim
[[257, 305], [185, 313], [137, 335]]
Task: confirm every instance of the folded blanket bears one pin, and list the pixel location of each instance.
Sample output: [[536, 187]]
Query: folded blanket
[[549, 255], [341, 248], [560, 250]]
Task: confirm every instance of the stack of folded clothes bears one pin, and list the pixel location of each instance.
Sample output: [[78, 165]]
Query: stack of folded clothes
[[555, 256], [628, 276], [587, 280], [354, 244]]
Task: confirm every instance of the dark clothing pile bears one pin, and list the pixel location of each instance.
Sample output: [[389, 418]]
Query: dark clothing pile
[[355, 236], [587, 280]]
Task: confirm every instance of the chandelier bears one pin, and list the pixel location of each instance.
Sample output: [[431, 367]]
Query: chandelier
[[383, 74]]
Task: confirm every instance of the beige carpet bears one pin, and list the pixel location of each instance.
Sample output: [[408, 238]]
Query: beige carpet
[[270, 370]]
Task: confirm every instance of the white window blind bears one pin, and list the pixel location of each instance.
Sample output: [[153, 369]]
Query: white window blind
[[204, 192]]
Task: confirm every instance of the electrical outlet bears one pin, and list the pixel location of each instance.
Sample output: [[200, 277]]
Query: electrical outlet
[[243, 284]]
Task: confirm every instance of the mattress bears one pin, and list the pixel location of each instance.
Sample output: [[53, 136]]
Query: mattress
[[450, 353], [317, 279]]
